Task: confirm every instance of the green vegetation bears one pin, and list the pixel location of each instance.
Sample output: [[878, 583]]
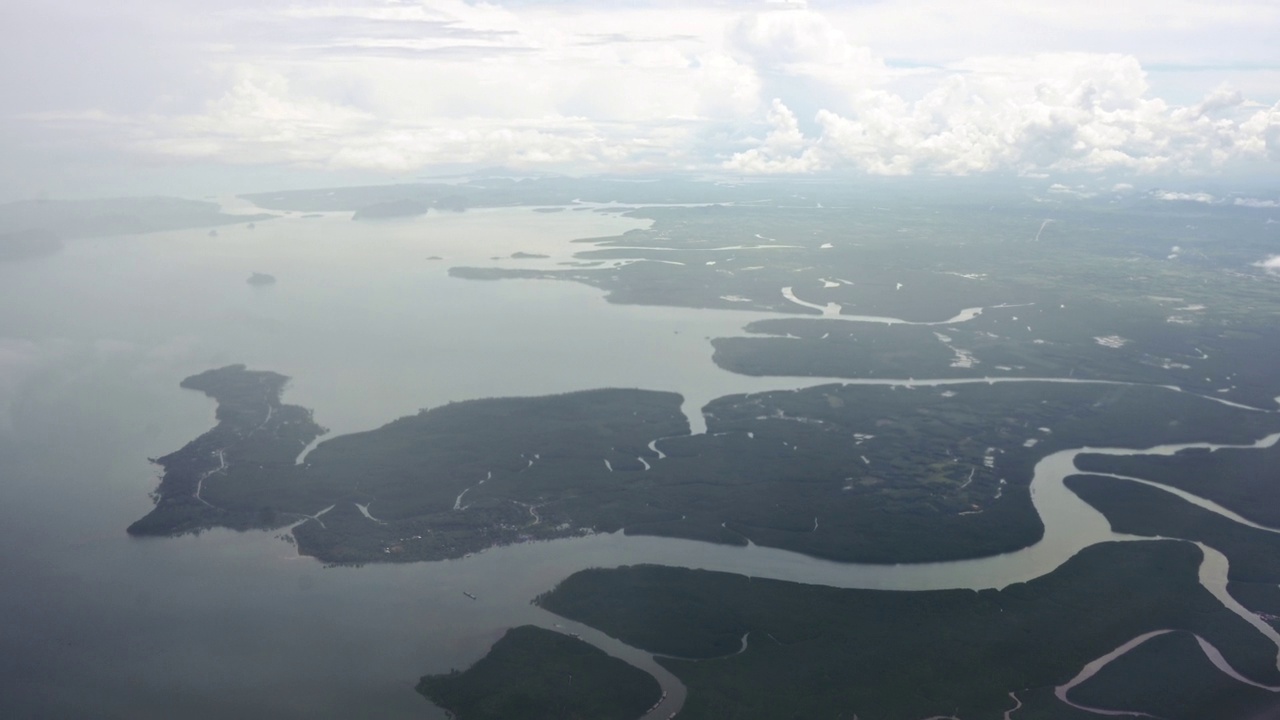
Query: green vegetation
[[255, 431], [1098, 293], [1138, 509], [854, 473], [826, 652], [1169, 677], [537, 674], [1046, 340], [1243, 480]]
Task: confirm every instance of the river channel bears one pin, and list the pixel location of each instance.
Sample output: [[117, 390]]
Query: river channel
[[94, 341]]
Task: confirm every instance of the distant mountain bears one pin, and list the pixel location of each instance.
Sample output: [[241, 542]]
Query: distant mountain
[[71, 219]]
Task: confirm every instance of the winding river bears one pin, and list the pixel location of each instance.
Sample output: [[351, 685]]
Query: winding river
[[369, 328], [1070, 526]]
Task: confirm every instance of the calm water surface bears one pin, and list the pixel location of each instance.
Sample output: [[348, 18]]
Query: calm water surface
[[93, 344]]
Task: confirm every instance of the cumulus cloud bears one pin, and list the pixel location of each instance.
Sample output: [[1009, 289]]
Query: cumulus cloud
[[1066, 112], [804, 43], [895, 87], [783, 150]]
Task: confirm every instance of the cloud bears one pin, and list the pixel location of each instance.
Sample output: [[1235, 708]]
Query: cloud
[[1256, 203], [783, 150], [1077, 191], [1067, 113], [1170, 196], [893, 87], [261, 119], [1271, 265]]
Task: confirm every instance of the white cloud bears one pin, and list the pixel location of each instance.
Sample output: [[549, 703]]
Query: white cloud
[[1077, 191], [1256, 203], [891, 87], [1071, 112], [783, 150], [1271, 264], [1171, 196]]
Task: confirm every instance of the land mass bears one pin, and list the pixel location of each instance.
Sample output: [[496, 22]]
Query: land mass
[[1243, 480], [72, 219], [537, 674], [256, 435], [1168, 676], [852, 473], [825, 652], [1137, 509]]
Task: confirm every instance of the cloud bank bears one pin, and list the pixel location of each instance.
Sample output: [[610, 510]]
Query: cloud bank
[[402, 87]]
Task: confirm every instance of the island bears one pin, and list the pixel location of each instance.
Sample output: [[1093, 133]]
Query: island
[[1243, 480], [537, 674], [1169, 676], [875, 474], [261, 279], [750, 648]]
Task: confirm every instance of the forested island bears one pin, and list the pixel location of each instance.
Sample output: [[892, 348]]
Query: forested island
[[537, 674], [889, 474]]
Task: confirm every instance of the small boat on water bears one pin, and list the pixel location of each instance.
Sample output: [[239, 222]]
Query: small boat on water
[[473, 597]]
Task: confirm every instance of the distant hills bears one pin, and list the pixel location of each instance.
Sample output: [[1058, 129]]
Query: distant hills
[[37, 227]]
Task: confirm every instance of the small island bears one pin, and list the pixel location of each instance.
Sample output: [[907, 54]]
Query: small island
[[537, 674], [261, 279]]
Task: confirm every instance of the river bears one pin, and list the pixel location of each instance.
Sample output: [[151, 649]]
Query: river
[[94, 341]]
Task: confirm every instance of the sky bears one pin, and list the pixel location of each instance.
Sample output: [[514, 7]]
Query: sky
[[134, 95]]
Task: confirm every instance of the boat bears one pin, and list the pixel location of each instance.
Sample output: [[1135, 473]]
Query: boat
[[473, 597]]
